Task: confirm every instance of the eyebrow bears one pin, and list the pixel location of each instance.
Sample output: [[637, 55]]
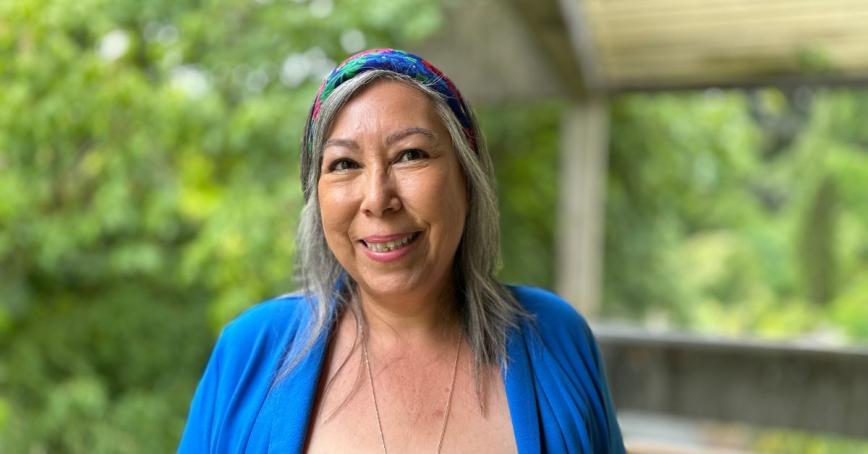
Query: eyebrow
[[394, 137], [391, 139], [341, 143]]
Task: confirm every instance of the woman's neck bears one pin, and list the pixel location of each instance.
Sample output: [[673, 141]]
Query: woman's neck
[[413, 319]]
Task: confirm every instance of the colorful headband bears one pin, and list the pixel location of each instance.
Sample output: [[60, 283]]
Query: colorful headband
[[400, 62]]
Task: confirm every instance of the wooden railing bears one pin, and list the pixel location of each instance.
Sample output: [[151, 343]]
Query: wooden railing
[[773, 384]]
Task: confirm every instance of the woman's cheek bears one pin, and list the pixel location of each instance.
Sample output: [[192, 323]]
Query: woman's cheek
[[336, 202], [428, 186]]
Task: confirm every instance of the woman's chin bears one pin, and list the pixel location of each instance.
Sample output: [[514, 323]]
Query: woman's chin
[[396, 286]]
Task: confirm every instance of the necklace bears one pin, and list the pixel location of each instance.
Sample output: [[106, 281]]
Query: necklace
[[448, 400]]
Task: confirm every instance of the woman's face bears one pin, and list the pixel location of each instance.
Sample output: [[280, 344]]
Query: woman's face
[[391, 193]]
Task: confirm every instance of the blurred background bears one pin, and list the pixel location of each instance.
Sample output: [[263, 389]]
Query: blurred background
[[693, 175]]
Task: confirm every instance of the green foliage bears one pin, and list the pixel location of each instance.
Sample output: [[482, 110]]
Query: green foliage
[[149, 193], [850, 310], [781, 441], [523, 141], [670, 155], [740, 213]]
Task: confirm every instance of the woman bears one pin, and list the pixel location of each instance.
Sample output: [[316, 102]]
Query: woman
[[402, 339]]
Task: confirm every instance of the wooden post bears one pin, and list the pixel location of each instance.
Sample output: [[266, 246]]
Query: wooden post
[[581, 210]]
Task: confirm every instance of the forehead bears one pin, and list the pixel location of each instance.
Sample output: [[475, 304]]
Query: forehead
[[387, 104]]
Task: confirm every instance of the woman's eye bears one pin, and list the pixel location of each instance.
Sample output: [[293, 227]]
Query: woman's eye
[[411, 155], [342, 165]]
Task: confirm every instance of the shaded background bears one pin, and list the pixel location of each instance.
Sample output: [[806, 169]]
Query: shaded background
[[149, 193]]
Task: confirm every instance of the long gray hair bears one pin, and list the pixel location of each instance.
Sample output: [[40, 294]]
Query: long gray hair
[[486, 308]]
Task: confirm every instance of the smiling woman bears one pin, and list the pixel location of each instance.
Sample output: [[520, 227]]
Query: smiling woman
[[393, 197], [402, 339]]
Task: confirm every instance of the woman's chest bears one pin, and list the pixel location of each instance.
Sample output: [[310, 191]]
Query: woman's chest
[[410, 410]]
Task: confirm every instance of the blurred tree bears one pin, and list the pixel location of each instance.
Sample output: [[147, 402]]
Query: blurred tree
[[149, 193], [817, 243], [732, 211], [670, 155]]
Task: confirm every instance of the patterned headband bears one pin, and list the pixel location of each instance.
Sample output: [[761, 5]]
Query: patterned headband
[[400, 62]]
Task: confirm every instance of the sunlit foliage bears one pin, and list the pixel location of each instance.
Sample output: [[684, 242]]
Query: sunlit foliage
[[740, 212]]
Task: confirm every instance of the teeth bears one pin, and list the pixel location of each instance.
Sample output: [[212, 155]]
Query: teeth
[[390, 245]]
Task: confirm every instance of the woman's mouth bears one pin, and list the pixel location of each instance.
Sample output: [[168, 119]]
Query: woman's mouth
[[390, 245]]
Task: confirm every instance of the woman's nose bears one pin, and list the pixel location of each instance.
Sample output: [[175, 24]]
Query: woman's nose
[[380, 196]]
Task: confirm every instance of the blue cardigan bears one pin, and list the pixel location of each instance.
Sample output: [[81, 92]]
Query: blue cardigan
[[555, 383]]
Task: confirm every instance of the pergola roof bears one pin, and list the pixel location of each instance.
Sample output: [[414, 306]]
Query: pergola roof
[[541, 48], [636, 44]]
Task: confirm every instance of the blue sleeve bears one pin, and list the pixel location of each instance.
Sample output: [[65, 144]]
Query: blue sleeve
[[198, 434], [611, 436], [238, 378], [575, 405]]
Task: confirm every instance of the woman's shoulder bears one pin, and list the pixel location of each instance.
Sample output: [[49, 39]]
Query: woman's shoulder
[[553, 321], [239, 374], [279, 312], [268, 323]]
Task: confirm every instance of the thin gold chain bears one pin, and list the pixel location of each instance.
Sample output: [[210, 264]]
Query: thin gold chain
[[448, 400]]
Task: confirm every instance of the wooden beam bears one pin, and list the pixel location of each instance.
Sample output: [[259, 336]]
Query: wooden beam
[[547, 28], [583, 44], [487, 51], [820, 81], [582, 183]]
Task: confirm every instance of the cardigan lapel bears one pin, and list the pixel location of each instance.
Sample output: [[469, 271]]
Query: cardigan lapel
[[291, 403], [521, 395]]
